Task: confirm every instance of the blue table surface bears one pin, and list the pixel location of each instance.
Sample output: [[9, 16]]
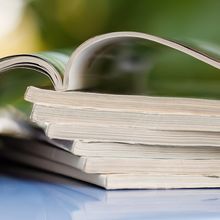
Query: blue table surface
[[28, 199]]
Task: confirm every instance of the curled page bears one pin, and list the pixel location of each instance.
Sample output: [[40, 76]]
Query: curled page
[[81, 58], [51, 64]]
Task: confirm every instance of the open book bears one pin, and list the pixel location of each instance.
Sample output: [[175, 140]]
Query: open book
[[118, 141]]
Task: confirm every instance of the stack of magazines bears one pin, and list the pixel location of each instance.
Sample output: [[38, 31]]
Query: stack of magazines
[[119, 141]]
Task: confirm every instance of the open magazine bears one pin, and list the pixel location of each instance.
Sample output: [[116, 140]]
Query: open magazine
[[71, 72]]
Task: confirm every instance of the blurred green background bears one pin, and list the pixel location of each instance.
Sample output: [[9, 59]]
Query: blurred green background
[[35, 25]]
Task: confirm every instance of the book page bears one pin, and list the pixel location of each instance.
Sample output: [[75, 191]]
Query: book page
[[51, 64], [80, 61]]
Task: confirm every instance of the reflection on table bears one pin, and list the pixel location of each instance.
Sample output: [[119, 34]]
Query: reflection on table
[[51, 197]]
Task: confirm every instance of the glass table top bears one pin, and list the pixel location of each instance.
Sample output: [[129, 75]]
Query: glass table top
[[50, 197]]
